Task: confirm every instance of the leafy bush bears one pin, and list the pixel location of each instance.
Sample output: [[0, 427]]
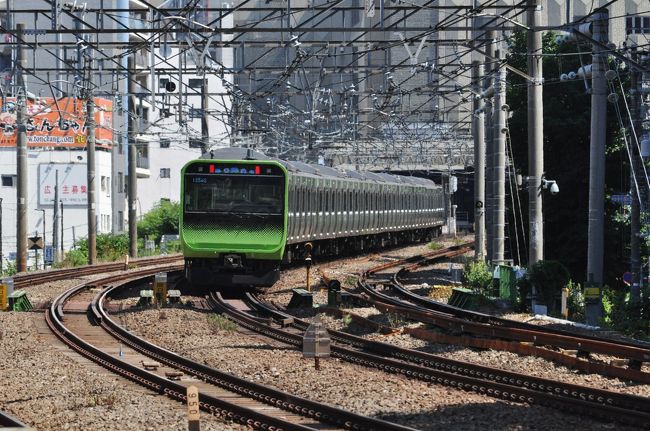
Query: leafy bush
[[8, 268], [575, 302], [477, 276], [162, 219], [549, 277], [109, 248], [622, 314]]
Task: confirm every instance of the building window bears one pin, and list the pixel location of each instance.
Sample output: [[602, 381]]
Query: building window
[[8, 181], [165, 172], [120, 221], [102, 183], [637, 25], [120, 182], [165, 142]]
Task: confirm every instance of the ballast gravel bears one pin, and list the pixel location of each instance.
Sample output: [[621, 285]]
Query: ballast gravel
[[51, 388], [71, 393]]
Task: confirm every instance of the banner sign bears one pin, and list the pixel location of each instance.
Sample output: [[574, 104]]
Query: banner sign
[[57, 124], [73, 188]]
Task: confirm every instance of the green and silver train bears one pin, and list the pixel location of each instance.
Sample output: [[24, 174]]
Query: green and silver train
[[244, 213]]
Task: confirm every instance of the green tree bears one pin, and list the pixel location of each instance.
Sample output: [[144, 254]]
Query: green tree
[[566, 154], [162, 219]]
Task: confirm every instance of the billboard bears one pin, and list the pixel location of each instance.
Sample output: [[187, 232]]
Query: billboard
[[72, 184], [57, 123]]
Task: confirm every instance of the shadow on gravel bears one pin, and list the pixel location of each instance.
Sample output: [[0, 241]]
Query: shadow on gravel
[[497, 416]]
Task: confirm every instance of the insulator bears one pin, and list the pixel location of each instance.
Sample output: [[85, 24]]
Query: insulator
[[584, 71]]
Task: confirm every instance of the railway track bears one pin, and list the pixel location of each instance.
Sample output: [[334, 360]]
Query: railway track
[[389, 295], [27, 279], [254, 315], [224, 395], [8, 421]]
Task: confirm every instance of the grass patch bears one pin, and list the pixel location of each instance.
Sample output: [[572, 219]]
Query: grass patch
[[434, 245], [219, 322]]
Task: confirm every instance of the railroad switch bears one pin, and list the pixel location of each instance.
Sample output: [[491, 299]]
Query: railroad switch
[[301, 298]]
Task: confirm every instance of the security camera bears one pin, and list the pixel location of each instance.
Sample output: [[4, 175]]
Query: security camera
[[550, 185]]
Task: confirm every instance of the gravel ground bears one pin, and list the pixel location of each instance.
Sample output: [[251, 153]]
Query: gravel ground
[[92, 399], [51, 388]]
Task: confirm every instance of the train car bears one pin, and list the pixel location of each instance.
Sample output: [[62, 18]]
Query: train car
[[244, 213]]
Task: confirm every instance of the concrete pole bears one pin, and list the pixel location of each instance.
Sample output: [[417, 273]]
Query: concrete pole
[[55, 218], [21, 158], [205, 131], [489, 145], [61, 210], [1, 255], [635, 210], [478, 132], [90, 178], [499, 184], [535, 135], [133, 180], [596, 221]]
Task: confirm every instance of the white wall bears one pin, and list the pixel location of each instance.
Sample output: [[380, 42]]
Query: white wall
[[73, 216]]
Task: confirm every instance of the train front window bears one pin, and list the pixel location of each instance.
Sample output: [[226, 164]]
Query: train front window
[[234, 194]]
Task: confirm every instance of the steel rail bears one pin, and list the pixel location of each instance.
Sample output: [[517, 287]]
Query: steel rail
[[486, 318], [8, 421], [261, 393], [488, 381], [152, 381], [28, 279], [506, 328], [449, 322], [435, 361]]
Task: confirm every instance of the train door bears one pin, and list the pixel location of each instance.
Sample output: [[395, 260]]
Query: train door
[[344, 207], [318, 209], [300, 208], [291, 217]]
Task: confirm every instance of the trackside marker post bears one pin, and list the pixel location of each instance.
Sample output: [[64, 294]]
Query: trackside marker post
[[193, 410]]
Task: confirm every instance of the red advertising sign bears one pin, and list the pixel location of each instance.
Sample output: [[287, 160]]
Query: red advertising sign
[[60, 123]]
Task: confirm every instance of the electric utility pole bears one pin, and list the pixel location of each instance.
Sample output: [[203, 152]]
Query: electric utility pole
[[1, 255], [489, 143], [90, 172], [133, 181], [21, 156], [478, 124], [205, 132], [55, 218], [595, 248], [499, 148], [635, 183], [535, 134]]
